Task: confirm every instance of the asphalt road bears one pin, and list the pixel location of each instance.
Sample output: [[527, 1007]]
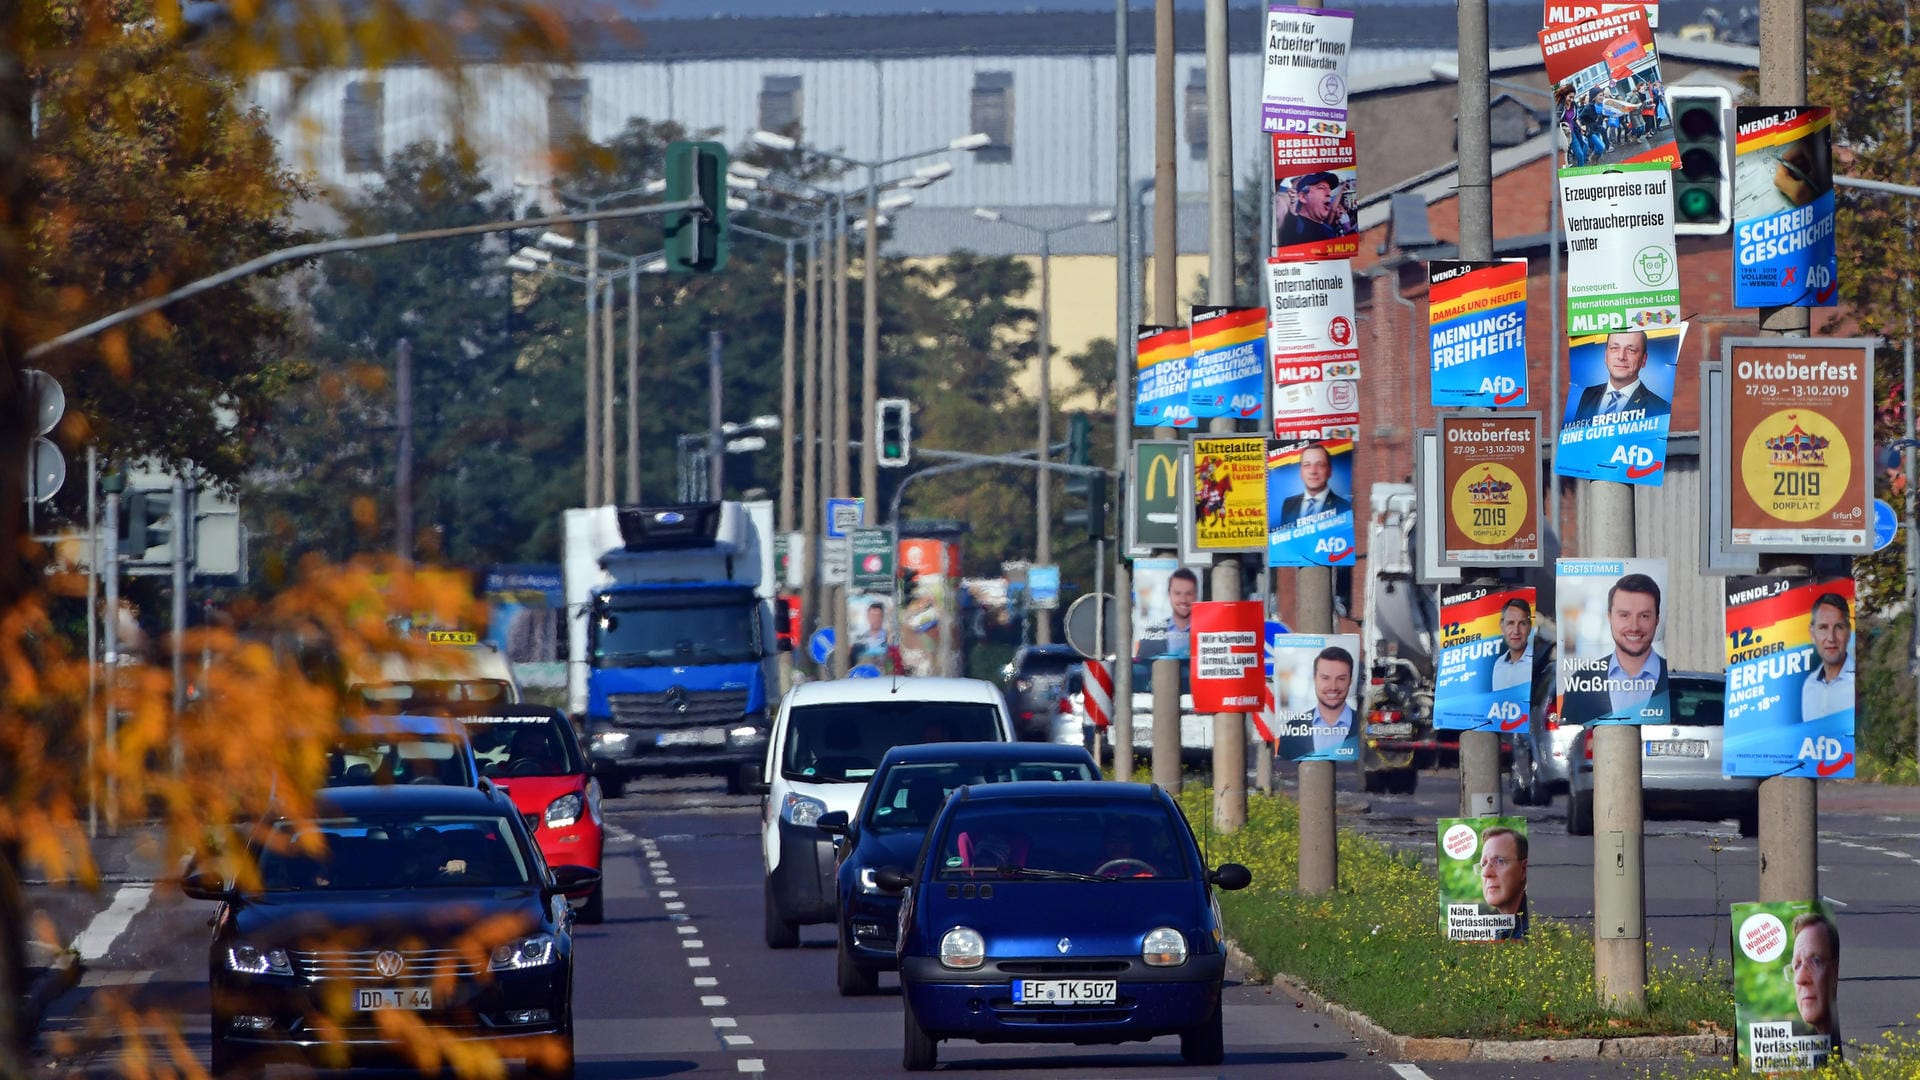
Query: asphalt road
[[678, 983]]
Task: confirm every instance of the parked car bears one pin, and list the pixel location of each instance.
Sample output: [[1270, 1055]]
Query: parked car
[[532, 753], [1033, 682], [1043, 912], [1679, 763], [907, 792], [399, 910], [827, 740]]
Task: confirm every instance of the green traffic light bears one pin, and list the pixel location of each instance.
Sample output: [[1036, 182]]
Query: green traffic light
[[1697, 203]]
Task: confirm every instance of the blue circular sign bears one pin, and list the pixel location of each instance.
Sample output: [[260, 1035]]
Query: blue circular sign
[[1885, 524], [820, 645], [863, 671]]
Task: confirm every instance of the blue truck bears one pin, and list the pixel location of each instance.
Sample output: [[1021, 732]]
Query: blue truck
[[672, 639]]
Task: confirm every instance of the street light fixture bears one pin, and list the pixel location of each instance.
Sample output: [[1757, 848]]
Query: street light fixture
[[773, 140], [518, 263], [557, 240], [937, 171], [536, 254], [896, 202]]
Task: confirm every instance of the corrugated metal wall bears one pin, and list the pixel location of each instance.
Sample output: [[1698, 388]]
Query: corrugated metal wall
[[1666, 524]]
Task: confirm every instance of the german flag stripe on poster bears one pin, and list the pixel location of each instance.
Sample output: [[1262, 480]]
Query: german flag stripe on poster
[[1791, 700], [1785, 126], [1232, 327]]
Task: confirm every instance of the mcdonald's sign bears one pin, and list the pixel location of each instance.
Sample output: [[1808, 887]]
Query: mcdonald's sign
[[1153, 514]]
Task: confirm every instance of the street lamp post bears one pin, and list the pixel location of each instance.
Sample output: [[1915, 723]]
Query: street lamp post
[[1043, 483]]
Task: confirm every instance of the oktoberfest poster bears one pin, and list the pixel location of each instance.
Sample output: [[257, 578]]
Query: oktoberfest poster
[[1316, 690], [1484, 680], [1228, 656], [1605, 69], [1304, 88], [1229, 493], [1477, 333], [1783, 247], [1622, 273], [1312, 350], [1309, 499], [1786, 985], [1800, 444], [1613, 631], [1790, 698], [1619, 405], [1482, 867], [1315, 213], [1490, 478], [1160, 398], [1227, 363]]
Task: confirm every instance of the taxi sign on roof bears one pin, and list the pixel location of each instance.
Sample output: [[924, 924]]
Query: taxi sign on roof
[[452, 637]]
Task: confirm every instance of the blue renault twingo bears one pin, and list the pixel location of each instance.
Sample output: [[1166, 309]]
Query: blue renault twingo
[[1077, 913]]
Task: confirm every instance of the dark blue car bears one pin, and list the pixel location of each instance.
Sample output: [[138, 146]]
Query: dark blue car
[[908, 788], [1077, 913]]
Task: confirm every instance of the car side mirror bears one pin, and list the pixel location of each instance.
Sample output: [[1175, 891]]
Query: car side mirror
[[892, 879], [758, 786], [574, 880], [1231, 876], [833, 823], [206, 885]]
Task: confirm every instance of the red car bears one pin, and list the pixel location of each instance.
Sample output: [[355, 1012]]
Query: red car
[[532, 753]]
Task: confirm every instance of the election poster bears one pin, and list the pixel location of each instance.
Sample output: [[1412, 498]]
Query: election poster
[[1164, 594], [1477, 333], [1160, 393], [1604, 70], [1229, 493], [1800, 444], [1227, 365], [1790, 695], [1786, 985], [1484, 679], [1304, 88], [1612, 622], [1558, 13], [1313, 350], [1227, 673], [1619, 405], [1783, 246], [1316, 689], [1482, 866], [1490, 473], [1315, 209], [1309, 489], [1622, 273]]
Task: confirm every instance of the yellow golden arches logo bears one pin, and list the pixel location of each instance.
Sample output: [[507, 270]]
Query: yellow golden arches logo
[[1489, 504], [1165, 461], [1796, 464]]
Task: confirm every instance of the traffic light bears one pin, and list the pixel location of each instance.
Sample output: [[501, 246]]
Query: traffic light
[[1702, 194], [1092, 513], [1079, 431], [146, 522], [697, 239], [894, 418]]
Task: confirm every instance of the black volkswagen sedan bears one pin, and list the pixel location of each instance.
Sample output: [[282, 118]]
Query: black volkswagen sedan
[[394, 908]]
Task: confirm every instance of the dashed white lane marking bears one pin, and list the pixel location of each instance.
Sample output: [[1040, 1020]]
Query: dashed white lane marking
[[93, 942], [699, 961], [1876, 850], [668, 894], [676, 905], [705, 980], [1408, 1072], [679, 917], [738, 1040], [693, 943], [725, 1022], [752, 1065], [657, 864], [688, 929], [724, 1026], [664, 881], [713, 1001]]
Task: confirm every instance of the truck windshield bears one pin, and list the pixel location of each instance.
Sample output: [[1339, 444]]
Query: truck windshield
[[676, 629]]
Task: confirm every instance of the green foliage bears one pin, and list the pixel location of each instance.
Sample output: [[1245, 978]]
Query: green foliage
[[1884, 742]]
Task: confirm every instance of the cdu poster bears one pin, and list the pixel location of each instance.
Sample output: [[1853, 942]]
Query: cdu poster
[[1790, 696], [1484, 681], [1477, 333], [1783, 246], [1613, 631], [1227, 362], [1309, 503], [1315, 693], [1619, 405], [1160, 396]]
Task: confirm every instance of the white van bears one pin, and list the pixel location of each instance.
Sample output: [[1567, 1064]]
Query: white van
[[826, 741]]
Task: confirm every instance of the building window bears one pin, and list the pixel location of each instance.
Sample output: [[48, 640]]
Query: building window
[[566, 114], [779, 102], [361, 120], [991, 112], [1196, 110]]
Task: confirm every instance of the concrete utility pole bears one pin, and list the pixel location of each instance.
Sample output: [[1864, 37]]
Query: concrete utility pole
[[1229, 728], [1166, 312], [633, 373], [110, 631], [786, 397], [810, 506], [1789, 805], [870, 353], [1619, 876], [1043, 484], [842, 432], [403, 456], [607, 383], [716, 438], [1122, 394], [593, 365]]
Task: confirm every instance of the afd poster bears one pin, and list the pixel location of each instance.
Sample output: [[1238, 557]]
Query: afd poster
[[1619, 405], [1613, 632], [1783, 247], [1227, 362], [1790, 698], [1484, 680], [1316, 688], [1606, 71], [1490, 474], [1160, 394], [1482, 867], [1622, 273], [1313, 350], [1786, 985], [1477, 333], [1304, 88], [1315, 208], [1310, 504], [1229, 493], [1800, 444]]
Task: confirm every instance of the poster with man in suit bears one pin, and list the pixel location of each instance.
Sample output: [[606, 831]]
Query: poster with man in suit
[[1613, 667]]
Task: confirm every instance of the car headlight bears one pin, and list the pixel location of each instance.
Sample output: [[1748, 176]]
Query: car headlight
[[1165, 947], [251, 960], [563, 811], [611, 741], [867, 884], [963, 948], [531, 951], [802, 810], [745, 735]]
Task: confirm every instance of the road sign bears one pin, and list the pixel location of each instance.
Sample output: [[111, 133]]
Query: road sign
[[820, 645], [872, 556], [1885, 524], [1096, 692], [1083, 617], [843, 516], [863, 671], [835, 557], [1043, 587]]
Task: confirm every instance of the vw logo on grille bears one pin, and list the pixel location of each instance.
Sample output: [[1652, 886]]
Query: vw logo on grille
[[1063, 945], [677, 697], [388, 963]]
